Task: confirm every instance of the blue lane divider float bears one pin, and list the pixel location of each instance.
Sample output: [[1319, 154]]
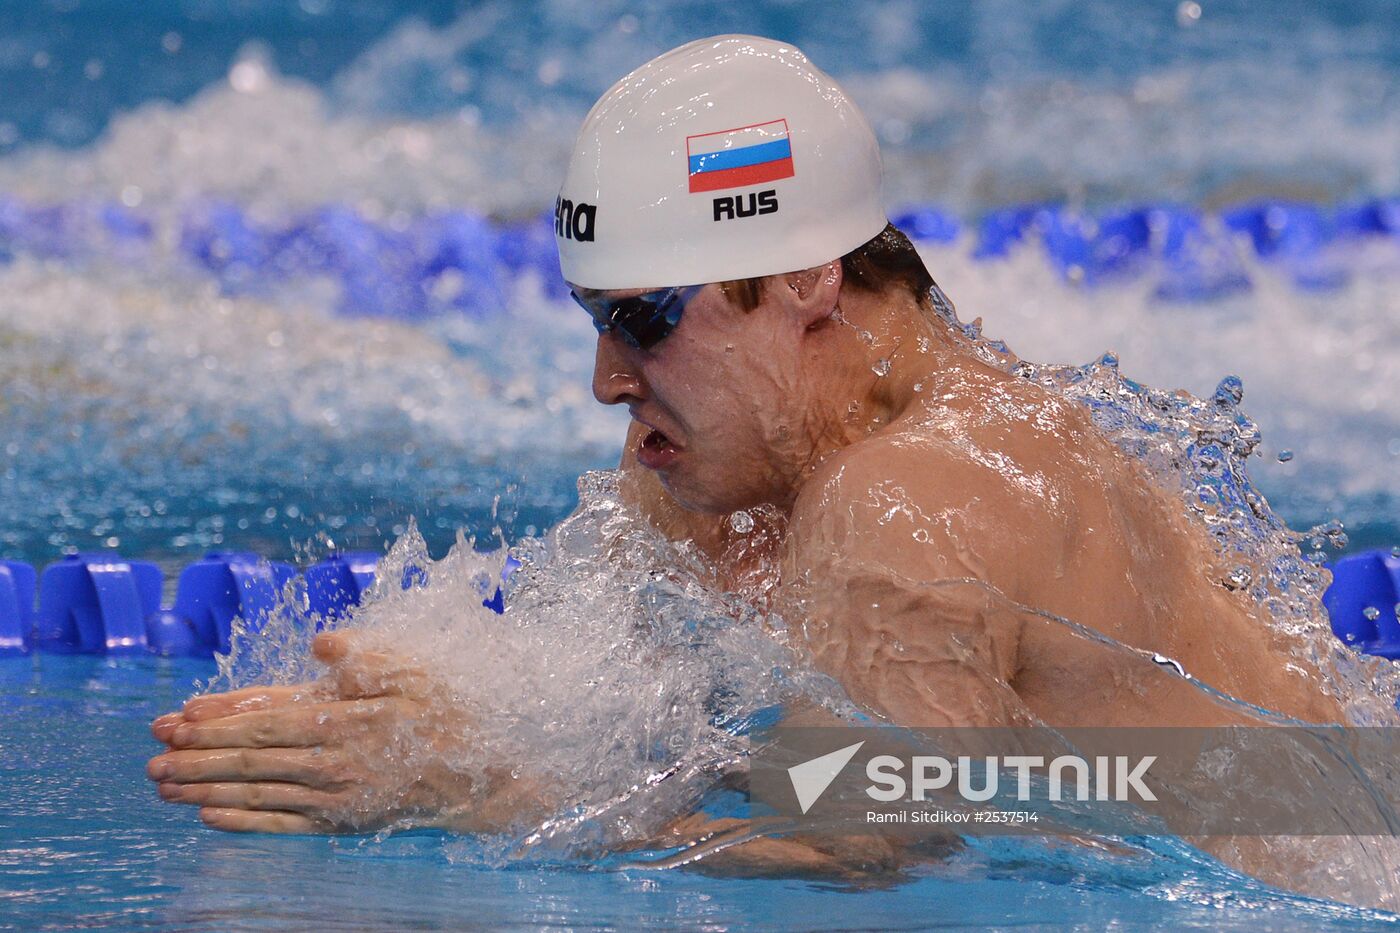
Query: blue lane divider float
[[16, 606], [212, 592], [95, 604], [1363, 602], [459, 261], [335, 586], [103, 603]]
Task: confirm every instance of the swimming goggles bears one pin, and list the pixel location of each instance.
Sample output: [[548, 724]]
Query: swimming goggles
[[642, 321]]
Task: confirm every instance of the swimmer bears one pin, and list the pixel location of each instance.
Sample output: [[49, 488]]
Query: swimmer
[[784, 352]]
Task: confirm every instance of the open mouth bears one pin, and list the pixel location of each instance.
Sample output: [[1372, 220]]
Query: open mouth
[[656, 451], [656, 441]]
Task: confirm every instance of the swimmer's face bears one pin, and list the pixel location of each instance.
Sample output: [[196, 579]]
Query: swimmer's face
[[724, 399]]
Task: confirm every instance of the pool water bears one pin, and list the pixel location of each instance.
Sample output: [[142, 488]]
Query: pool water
[[87, 843], [274, 277]]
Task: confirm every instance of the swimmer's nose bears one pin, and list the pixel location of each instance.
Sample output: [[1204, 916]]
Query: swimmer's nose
[[615, 377]]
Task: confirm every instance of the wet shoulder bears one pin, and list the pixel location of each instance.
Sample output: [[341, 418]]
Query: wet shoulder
[[921, 504]]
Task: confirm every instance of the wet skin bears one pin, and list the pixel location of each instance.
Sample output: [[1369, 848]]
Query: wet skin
[[908, 514]]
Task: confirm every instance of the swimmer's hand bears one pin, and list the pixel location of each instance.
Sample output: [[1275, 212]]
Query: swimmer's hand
[[367, 747], [737, 848]]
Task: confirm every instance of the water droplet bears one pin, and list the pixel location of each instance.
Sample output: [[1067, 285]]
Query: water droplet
[[1371, 613], [1229, 393], [741, 522], [881, 367], [1284, 456]]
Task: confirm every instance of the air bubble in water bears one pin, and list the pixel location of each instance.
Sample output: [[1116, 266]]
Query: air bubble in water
[[881, 367], [741, 522], [1371, 613], [1284, 456]]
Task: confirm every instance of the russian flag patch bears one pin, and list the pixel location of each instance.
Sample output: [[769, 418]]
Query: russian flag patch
[[746, 155]]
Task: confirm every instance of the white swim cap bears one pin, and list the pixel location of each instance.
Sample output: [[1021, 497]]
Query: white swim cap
[[727, 158]]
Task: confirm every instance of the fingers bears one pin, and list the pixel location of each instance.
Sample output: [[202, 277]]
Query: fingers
[[262, 821], [379, 675], [257, 795], [361, 672], [217, 705], [354, 674], [163, 727], [298, 765], [301, 726], [331, 647]]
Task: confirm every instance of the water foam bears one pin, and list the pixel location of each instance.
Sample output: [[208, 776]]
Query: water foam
[[619, 676], [150, 411]]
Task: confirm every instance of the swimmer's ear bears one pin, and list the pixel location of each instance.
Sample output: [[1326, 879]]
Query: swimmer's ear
[[811, 294]]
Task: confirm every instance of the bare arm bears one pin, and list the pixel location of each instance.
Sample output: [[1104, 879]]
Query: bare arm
[[899, 592]]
